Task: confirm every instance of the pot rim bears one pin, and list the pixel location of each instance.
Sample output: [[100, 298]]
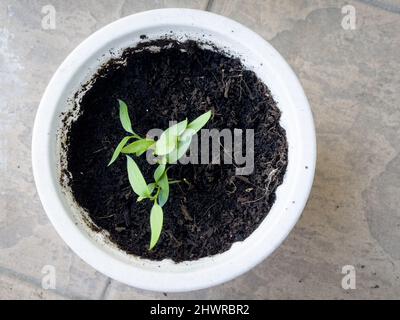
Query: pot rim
[[166, 276]]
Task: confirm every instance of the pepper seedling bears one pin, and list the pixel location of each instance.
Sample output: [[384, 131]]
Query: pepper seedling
[[138, 147], [169, 148]]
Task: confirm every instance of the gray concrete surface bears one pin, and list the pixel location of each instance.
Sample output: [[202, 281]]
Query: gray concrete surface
[[352, 79]]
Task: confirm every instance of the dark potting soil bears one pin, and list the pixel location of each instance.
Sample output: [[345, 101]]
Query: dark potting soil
[[182, 80]]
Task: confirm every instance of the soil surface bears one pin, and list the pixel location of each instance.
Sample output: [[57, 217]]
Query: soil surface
[[182, 80]]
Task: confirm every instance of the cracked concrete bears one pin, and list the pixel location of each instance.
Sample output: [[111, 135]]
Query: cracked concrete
[[351, 78]]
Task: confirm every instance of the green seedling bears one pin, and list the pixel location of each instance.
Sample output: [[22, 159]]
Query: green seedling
[[138, 147], [173, 143]]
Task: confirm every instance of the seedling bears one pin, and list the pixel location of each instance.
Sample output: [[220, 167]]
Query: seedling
[[138, 147], [169, 148]]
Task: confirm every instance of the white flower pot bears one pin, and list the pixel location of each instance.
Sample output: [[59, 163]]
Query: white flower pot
[[167, 276]]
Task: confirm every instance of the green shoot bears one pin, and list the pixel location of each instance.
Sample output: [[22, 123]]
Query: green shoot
[[170, 147], [126, 124]]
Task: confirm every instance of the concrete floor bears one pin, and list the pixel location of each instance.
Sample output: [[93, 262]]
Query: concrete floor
[[352, 79]]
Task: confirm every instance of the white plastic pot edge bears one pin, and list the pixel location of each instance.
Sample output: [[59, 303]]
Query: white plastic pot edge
[[206, 272]]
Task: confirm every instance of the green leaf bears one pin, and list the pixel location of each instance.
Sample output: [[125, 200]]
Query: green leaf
[[164, 192], [199, 122], [183, 145], [138, 147], [139, 153], [181, 126], [151, 187], [166, 143], [169, 138], [159, 171], [118, 149], [162, 160], [124, 117], [156, 224], [136, 179]]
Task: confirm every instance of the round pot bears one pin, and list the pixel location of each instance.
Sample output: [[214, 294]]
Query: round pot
[[291, 197]]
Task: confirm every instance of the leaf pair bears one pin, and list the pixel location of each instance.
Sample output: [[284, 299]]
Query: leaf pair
[[145, 191], [156, 214], [175, 141], [169, 138], [138, 147]]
